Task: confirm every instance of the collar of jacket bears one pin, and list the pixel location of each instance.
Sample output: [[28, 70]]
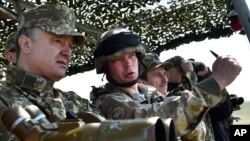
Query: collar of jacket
[[28, 80], [145, 89]]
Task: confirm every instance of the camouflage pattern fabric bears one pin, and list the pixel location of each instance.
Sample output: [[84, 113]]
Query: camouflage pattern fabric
[[151, 61], [10, 45], [24, 89], [56, 19], [197, 134], [189, 80], [187, 109], [175, 61], [205, 124]]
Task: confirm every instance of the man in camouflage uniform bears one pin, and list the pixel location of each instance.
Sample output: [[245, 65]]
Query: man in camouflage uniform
[[117, 54], [178, 70], [45, 38], [158, 74], [215, 117], [154, 72], [181, 71]]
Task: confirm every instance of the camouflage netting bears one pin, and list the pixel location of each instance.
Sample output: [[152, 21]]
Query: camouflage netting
[[162, 24]]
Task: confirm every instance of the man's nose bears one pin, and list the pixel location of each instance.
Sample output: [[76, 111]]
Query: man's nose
[[165, 78], [127, 61], [67, 51]]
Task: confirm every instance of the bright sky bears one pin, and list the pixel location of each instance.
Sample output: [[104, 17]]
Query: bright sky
[[236, 45]]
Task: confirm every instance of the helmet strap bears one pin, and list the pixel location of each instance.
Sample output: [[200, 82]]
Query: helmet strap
[[103, 76]]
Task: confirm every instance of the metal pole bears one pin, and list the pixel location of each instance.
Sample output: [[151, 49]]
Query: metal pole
[[244, 15]]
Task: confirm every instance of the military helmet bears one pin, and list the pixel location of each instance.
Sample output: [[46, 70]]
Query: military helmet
[[114, 43]]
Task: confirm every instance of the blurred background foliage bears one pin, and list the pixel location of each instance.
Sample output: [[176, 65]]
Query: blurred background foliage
[[162, 24]]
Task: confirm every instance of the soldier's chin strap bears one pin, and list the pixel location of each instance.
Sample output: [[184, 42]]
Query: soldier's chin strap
[[114, 82]]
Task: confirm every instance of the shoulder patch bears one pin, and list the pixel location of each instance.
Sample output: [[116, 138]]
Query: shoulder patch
[[117, 113]]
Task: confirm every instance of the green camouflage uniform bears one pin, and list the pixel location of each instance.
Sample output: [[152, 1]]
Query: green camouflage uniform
[[189, 80], [187, 109], [22, 88], [151, 61]]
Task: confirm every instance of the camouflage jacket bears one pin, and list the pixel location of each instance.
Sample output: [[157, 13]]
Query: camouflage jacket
[[187, 109], [24, 89], [189, 80]]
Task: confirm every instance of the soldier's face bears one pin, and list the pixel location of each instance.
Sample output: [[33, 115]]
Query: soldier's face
[[124, 69], [157, 77], [48, 55]]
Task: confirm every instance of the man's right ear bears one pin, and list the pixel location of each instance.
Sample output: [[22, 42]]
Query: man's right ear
[[24, 43]]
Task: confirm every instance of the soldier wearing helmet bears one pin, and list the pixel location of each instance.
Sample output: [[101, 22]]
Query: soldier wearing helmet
[[44, 41], [118, 53], [112, 45]]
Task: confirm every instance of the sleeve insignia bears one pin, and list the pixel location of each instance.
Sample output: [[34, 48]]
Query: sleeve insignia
[[116, 113]]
